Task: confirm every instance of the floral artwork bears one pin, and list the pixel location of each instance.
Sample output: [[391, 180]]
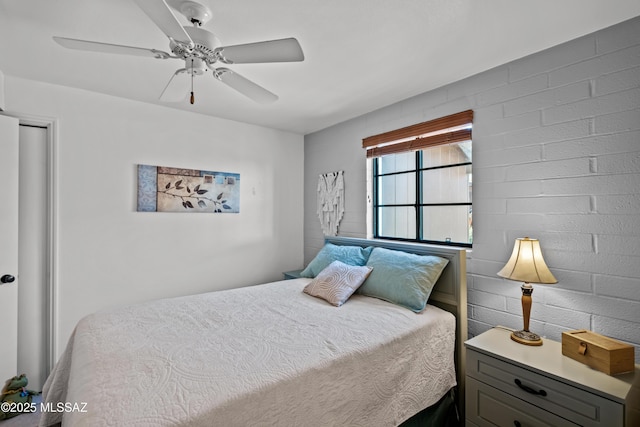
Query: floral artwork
[[167, 189]]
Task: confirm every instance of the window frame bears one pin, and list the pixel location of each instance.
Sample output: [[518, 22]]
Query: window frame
[[373, 152]]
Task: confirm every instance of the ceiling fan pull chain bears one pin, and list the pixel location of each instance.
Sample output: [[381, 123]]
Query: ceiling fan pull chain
[[193, 98]]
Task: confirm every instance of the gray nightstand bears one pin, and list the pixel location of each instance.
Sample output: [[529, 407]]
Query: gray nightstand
[[294, 274], [510, 384]]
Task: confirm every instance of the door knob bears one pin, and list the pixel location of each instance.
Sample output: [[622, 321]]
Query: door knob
[[7, 278]]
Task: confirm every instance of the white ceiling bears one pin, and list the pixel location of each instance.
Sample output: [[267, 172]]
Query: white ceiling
[[360, 55]]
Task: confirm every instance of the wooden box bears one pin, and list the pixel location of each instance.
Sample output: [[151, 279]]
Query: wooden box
[[598, 352]]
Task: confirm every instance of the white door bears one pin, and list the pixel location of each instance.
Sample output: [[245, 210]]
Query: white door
[[8, 247]]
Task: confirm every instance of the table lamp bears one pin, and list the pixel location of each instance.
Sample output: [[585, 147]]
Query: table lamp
[[527, 265]]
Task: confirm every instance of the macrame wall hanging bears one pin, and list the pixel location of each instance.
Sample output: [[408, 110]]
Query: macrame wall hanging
[[330, 201]]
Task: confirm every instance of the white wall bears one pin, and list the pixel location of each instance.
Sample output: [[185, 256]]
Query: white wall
[[556, 156], [108, 254]]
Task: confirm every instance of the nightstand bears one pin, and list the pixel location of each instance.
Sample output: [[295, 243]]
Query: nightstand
[[294, 274], [510, 384]]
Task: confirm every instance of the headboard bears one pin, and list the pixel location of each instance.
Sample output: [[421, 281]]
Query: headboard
[[449, 293]]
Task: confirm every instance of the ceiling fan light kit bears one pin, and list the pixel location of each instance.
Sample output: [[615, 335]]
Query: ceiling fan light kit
[[200, 50]]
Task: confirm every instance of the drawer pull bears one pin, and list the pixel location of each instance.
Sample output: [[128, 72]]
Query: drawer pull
[[517, 423], [529, 389]]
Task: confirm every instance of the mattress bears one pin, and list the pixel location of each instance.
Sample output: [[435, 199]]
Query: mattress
[[262, 355]]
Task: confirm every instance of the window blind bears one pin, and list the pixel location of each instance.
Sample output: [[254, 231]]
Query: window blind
[[444, 130]]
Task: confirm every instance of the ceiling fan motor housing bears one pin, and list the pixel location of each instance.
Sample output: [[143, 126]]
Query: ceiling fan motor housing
[[204, 47]]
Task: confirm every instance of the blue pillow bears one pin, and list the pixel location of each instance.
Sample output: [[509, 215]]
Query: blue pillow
[[402, 278], [351, 255]]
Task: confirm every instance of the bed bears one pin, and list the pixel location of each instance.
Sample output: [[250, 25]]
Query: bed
[[268, 354]]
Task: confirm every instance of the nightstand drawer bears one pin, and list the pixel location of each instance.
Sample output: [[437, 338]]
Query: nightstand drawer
[[488, 406], [577, 405]]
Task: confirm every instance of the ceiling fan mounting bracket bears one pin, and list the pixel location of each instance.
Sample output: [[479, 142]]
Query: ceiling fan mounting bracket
[[196, 13]]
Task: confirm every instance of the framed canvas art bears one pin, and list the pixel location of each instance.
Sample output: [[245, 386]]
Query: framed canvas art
[[169, 189]]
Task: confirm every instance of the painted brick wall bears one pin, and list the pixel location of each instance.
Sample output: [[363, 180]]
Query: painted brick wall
[[556, 142]]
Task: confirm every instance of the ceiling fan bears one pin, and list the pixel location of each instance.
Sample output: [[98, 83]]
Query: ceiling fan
[[200, 50]]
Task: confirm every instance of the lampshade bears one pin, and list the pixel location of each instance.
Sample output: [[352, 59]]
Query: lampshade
[[526, 263]]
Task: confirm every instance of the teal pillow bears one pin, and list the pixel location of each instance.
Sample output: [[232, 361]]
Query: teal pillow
[[351, 255], [402, 278]]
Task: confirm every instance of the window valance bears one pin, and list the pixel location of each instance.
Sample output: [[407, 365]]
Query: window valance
[[444, 130]]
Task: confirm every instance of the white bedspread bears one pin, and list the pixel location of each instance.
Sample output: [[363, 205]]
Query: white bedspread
[[265, 355]]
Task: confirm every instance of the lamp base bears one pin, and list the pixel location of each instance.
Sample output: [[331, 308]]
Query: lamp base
[[526, 338]]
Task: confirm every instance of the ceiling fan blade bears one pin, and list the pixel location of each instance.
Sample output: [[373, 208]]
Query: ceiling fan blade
[[282, 50], [244, 86], [109, 48], [159, 12], [177, 88]]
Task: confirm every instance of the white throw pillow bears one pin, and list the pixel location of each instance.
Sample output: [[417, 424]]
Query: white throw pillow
[[337, 282]]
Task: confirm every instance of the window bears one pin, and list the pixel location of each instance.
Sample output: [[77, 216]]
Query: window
[[421, 186]]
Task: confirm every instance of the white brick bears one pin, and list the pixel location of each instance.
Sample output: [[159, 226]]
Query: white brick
[[573, 280], [489, 249], [561, 241], [549, 169], [534, 223], [626, 244], [603, 263], [486, 299], [549, 205], [595, 185], [561, 316], [495, 318], [617, 122], [488, 142], [593, 146], [548, 98], [556, 57], [615, 82], [498, 286], [547, 134], [472, 85], [486, 175], [618, 36], [619, 204], [506, 125], [512, 90], [605, 104], [487, 113], [517, 188], [489, 206], [624, 163], [597, 66], [510, 156], [621, 287], [604, 306], [485, 268], [604, 224]]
